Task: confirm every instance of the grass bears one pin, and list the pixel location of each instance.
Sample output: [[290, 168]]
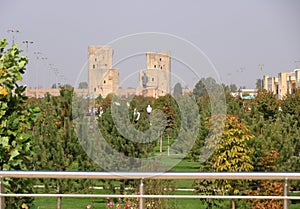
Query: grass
[[67, 203]]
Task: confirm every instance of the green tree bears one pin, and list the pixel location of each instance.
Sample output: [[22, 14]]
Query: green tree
[[235, 106], [177, 89], [16, 118], [120, 130], [172, 114], [116, 130], [233, 88], [83, 85], [57, 145], [291, 105], [202, 85], [259, 83], [267, 104], [207, 86]]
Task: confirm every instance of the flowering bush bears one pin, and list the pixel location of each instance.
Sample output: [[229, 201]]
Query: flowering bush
[[122, 203]]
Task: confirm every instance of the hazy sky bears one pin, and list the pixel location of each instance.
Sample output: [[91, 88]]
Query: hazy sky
[[236, 35]]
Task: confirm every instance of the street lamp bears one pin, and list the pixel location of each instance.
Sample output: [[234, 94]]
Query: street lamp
[[52, 68], [101, 111], [36, 76], [36, 73], [26, 75], [149, 110], [136, 115], [56, 77], [27, 42], [13, 36], [260, 74]]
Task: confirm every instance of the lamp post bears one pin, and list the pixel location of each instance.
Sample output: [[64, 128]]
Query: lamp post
[[26, 75], [52, 68], [149, 110], [36, 76], [136, 115], [56, 77], [260, 74], [160, 142], [13, 36], [37, 73], [27, 42]]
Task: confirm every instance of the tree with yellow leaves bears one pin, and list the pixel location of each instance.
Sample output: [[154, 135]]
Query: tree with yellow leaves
[[231, 154]]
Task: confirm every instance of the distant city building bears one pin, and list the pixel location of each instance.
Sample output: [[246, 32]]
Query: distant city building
[[154, 81], [247, 93], [102, 78], [40, 92], [297, 77], [285, 83], [126, 92], [270, 84]]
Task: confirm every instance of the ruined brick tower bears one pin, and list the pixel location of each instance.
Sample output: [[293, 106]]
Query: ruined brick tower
[[154, 81], [102, 78]]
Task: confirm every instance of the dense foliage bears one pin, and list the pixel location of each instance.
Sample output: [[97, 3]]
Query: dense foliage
[[16, 120], [57, 145], [274, 128]]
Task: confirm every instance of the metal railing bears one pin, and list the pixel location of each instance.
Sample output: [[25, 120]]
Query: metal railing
[[151, 175]]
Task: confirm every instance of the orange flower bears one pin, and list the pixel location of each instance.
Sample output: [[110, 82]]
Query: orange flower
[[3, 91]]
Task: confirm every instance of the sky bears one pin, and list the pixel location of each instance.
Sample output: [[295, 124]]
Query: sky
[[244, 40]]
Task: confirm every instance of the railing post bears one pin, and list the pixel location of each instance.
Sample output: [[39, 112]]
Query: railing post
[[286, 193], [2, 200], [141, 200]]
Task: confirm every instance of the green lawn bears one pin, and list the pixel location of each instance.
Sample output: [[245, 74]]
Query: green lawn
[[67, 203]]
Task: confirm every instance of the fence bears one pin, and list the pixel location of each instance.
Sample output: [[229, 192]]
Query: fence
[[151, 175]]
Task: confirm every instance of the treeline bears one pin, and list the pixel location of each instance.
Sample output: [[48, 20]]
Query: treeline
[[209, 126], [259, 135]]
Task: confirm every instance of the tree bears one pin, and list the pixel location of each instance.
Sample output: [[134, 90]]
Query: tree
[[291, 105], [202, 87], [209, 87], [83, 85], [54, 86], [266, 187], [267, 104], [233, 88], [259, 83], [231, 153], [132, 140], [230, 88], [16, 118], [57, 145], [121, 132], [169, 107], [177, 89]]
